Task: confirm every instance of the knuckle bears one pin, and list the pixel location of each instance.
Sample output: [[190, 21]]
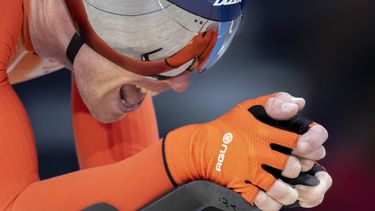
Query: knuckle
[[321, 153], [270, 103], [328, 179], [261, 199], [314, 140], [321, 132], [315, 194], [307, 165], [271, 205], [303, 102], [310, 195], [308, 198], [275, 111], [330, 182], [312, 204], [316, 136], [325, 133], [319, 202], [264, 202], [293, 197], [283, 193], [310, 145], [277, 191], [273, 106], [283, 94], [298, 168], [274, 207], [306, 205], [295, 169]]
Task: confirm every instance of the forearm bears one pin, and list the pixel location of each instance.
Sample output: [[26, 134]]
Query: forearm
[[127, 185], [100, 144]]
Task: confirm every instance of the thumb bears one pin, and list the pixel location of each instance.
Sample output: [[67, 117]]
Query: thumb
[[283, 106]]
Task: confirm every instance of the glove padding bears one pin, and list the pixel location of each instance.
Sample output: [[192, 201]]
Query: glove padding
[[240, 150]]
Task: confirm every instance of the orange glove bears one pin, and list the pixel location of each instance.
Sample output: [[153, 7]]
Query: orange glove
[[239, 150]]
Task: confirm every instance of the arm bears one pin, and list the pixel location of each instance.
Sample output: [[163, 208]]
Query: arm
[[126, 185], [100, 144]]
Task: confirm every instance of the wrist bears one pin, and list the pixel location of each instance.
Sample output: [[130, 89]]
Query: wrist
[[177, 155]]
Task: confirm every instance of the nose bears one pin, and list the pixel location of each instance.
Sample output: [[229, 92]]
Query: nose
[[179, 83]]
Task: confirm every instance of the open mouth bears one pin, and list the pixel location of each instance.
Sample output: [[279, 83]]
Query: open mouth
[[132, 97]]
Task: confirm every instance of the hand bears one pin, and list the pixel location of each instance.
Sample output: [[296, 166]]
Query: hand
[[309, 150], [236, 149]]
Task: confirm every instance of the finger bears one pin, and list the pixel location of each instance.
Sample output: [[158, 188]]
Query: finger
[[283, 193], [314, 155], [299, 101], [292, 168], [311, 204], [291, 99], [313, 196], [306, 164], [265, 202], [249, 192], [280, 110], [312, 139], [283, 106]]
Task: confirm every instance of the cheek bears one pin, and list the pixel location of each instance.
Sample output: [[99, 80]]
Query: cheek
[[103, 103], [99, 85]]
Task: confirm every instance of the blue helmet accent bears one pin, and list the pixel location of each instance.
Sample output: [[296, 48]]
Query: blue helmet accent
[[217, 10]]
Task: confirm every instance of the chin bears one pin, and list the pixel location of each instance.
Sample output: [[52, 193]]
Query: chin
[[106, 118], [109, 111]]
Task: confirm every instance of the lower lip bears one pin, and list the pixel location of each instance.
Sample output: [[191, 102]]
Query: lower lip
[[127, 108], [124, 105]]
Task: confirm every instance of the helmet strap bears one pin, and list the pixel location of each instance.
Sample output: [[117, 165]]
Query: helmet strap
[[74, 46]]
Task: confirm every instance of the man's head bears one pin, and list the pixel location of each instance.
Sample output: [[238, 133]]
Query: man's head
[[121, 50]]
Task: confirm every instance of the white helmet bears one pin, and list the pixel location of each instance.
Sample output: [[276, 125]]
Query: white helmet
[[156, 38]]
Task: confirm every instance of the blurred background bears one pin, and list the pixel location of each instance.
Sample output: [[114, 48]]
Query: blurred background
[[319, 50]]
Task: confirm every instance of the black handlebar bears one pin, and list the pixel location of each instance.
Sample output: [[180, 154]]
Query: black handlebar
[[208, 196]]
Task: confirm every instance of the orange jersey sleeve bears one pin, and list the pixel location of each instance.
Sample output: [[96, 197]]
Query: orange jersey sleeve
[[10, 30], [126, 185], [100, 144]]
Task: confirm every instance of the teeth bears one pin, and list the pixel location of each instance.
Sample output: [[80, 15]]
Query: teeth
[[144, 90]]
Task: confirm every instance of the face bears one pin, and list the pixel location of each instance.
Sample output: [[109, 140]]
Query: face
[[110, 91]]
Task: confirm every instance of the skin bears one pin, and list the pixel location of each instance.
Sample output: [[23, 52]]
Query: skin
[[309, 149], [99, 82]]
